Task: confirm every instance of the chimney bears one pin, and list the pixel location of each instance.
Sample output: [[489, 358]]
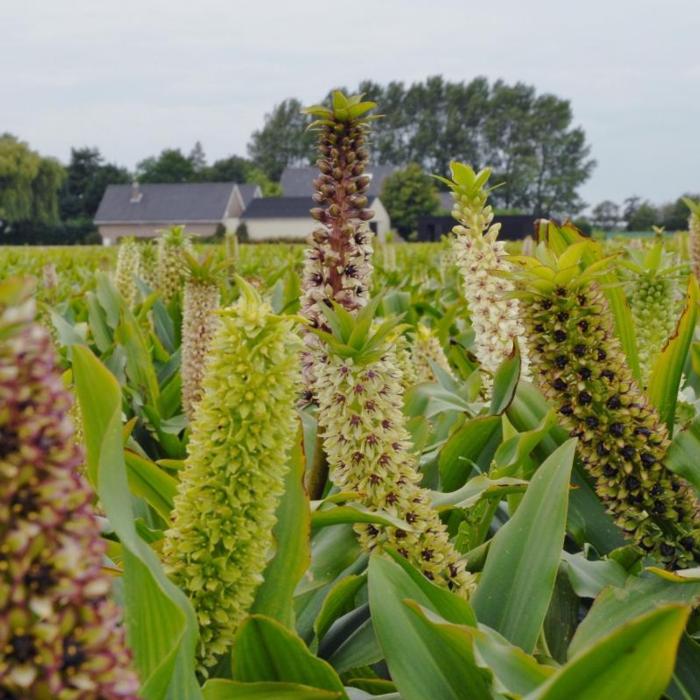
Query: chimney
[[136, 194]]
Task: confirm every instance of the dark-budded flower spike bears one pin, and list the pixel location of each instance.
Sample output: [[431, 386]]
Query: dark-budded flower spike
[[623, 440], [60, 632]]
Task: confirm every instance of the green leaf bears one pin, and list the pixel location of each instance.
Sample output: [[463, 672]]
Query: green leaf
[[505, 382], [356, 513], [339, 601], [292, 537], [139, 367], [474, 443], [219, 689], [161, 625], [476, 489], [666, 373], [517, 582], [616, 606], [150, 482], [510, 668], [635, 662], [264, 650], [421, 666], [683, 456], [588, 578]]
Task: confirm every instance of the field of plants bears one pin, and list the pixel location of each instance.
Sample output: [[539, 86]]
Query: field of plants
[[351, 469]]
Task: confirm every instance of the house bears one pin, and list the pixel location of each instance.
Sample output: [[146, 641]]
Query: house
[[143, 210], [287, 217], [279, 218]]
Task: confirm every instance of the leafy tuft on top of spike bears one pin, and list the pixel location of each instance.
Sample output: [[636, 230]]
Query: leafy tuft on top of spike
[[343, 109], [357, 336]]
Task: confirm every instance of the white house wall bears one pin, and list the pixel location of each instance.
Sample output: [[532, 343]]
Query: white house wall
[[298, 228]]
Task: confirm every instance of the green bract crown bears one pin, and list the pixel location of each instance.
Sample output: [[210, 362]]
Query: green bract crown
[[545, 272], [357, 336], [343, 109]]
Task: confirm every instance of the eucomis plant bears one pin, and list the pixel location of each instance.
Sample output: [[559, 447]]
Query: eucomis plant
[[241, 434], [369, 449], [579, 364], [655, 298], [338, 262], [60, 631], [478, 253]]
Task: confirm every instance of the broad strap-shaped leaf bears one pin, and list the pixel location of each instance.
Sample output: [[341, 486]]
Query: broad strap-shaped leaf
[[667, 371], [474, 443], [292, 537], [220, 689], [505, 382], [265, 650], [616, 606], [161, 625], [421, 665], [635, 662], [517, 582]]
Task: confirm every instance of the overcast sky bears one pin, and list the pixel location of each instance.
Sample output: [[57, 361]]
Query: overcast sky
[[133, 77]]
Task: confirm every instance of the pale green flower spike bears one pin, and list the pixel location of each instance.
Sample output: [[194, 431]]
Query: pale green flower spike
[[494, 313], [172, 267], [426, 350], [360, 399], [128, 268], [655, 298], [242, 432]]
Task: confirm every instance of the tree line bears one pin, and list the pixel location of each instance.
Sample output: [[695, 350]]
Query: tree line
[[538, 155]]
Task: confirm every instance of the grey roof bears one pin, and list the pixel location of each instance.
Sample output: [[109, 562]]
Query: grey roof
[[248, 193], [160, 203], [282, 208], [279, 208], [298, 182]]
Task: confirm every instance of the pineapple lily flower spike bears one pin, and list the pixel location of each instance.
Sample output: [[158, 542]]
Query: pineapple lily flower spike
[[578, 363], [338, 263], [369, 450], [494, 313], [60, 632], [243, 428]]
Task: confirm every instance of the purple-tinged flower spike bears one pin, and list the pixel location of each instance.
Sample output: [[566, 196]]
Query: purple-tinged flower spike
[[494, 313], [369, 449], [199, 324], [60, 633], [338, 262], [579, 365]]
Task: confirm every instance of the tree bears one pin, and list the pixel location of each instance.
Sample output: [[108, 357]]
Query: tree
[[29, 184], [283, 140], [537, 154], [170, 166], [641, 217], [408, 194], [674, 215], [198, 159], [87, 178], [606, 215]]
